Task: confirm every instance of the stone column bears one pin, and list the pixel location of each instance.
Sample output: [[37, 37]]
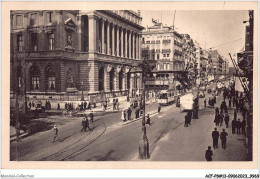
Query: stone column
[[135, 37], [113, 40], [103, 37], [139, 46], [122, 42], [125, 43], [92, 36], [130, 44], [117, 43], [108, 38], [79, 32]]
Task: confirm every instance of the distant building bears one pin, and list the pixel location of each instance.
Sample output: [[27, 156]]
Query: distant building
[[165, 46], [217, 62], [70, 51]]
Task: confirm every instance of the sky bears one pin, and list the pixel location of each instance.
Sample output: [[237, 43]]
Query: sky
[[221, 30]]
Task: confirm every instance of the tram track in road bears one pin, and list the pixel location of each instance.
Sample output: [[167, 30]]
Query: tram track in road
[[64, 149], [79, 151]]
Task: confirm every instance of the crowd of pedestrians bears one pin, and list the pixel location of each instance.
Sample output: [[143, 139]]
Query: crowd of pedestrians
[[221, 115]]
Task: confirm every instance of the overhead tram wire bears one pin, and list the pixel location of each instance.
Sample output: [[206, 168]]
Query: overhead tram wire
[[227, 43]]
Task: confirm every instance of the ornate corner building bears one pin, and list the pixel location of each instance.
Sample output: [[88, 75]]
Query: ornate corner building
[[165, 46], [66, 51]]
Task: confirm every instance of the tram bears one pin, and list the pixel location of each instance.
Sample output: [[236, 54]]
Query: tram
[[166, 97]]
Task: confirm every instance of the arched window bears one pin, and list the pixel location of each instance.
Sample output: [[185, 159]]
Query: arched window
[[50, 78], [35, 78]]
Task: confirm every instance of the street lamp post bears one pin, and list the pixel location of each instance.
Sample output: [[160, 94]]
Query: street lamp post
[[144, 142], [82, 96]]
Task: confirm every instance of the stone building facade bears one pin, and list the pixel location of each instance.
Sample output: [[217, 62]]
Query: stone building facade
[[66, 51], [164, 45]]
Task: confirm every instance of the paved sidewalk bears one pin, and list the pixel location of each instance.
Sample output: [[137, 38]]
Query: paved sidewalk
[[190, 143]]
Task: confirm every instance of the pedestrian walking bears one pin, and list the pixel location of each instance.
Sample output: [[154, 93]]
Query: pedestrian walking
[[49, 105], [215, 136], [209, 154], [217, 120], [56, 134], [148, 120], [205, 102], [189, 117], [58, 107], [159, 108], [129, 113], [223, 138], [30, 105], [83, 124], [122, 116], [243, 126], [87, 124], [216, 111], [46, 105], [117, 105], [226, 119], [239, 126], [114, 103], [186, 122], [91, 115], [137, 112], [85, 105]]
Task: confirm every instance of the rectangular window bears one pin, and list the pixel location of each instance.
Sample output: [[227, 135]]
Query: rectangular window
[[34, 42], [33, 19], [51, 83], [158, 56], [35, 83], [164, 55], [50, 41], [19, 20], [19, 43], [168, 55], [49, 17]]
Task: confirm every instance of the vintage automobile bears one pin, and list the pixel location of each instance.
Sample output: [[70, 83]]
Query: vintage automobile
[[187, 102]]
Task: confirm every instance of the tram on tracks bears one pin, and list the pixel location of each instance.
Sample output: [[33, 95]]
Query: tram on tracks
[[166, 97]]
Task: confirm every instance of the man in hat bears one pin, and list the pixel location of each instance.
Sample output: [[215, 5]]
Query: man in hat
[[87, 124], [209, 154], [226, 119], [215, 136], [223, 138], [83, 124], [56, 131]]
